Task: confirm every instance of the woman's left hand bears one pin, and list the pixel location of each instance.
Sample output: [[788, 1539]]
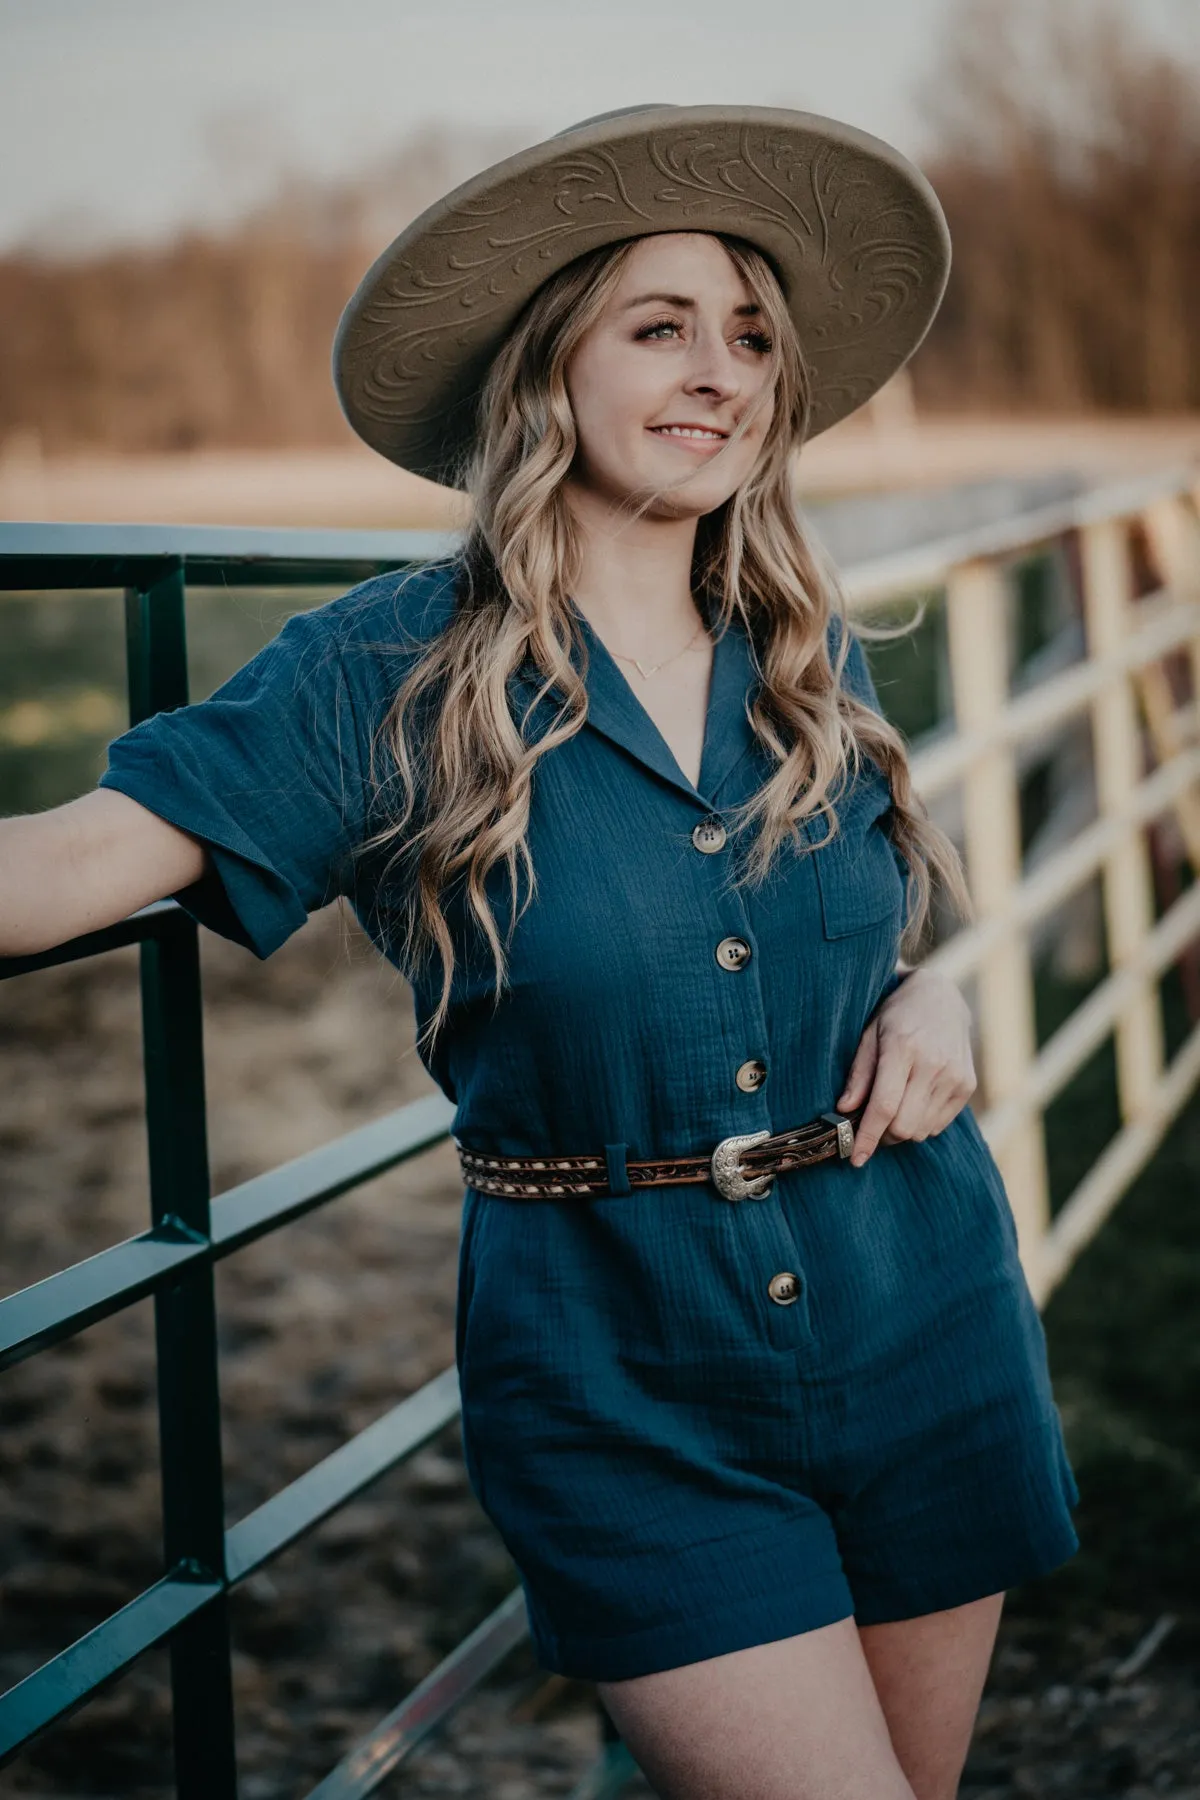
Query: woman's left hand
[[914, 1060]]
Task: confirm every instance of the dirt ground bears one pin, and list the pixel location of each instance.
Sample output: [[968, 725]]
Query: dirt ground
[[323, 1327]]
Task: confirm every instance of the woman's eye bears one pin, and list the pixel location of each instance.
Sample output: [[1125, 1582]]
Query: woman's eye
[[661, 329]]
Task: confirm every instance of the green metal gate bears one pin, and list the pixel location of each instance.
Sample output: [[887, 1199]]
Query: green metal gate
[[191, 1229]]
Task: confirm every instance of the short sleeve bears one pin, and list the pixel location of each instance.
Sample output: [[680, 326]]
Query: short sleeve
[[269, 774]]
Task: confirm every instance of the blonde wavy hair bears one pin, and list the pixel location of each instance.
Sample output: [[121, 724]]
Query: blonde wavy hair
[[465, 777]]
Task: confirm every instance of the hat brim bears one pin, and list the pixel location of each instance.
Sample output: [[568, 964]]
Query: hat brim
[[852, 228]]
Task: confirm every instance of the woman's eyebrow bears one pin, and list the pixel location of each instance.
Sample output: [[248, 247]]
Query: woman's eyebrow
[[747, 310]]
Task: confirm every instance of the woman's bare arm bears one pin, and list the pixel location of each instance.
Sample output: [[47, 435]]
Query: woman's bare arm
[[85, 865]]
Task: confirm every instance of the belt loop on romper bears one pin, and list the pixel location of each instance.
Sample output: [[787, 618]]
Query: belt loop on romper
[[618, 1174]]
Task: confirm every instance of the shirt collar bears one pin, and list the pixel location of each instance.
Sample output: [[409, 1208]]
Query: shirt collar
[[615, 711]]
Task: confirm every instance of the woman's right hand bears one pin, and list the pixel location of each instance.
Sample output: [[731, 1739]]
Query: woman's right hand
[[85, 865]]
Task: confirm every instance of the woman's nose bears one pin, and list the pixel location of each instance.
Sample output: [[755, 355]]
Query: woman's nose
[[713, 369]]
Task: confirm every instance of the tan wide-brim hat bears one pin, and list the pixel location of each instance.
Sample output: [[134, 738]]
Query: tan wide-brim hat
[[853, 230]]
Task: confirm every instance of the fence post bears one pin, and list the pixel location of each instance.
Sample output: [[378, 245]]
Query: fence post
[[977, 613], [1173, 529], [185, 1313], [1117, 755]]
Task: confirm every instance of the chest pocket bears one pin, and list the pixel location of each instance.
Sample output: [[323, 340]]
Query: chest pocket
[[858, 871]]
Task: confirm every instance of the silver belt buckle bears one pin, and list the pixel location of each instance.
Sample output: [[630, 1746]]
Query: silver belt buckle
[[726, 1170], [845, 1131]]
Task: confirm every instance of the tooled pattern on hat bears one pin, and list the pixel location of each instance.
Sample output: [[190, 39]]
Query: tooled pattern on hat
[[875, 275]]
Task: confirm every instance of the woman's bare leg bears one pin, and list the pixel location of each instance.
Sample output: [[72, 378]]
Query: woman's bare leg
[[798, 1719], [929, 1675]]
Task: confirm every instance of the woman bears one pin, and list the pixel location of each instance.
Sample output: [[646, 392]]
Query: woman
[[753, 1387]]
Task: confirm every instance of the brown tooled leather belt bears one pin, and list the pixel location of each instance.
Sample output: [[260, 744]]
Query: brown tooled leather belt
[[741, 1168]]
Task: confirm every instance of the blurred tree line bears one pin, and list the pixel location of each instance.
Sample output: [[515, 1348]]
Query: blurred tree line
[[1068, 163], [214, 340], [1066, 153]]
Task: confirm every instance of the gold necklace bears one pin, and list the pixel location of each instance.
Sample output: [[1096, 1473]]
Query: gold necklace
[[655, 667]]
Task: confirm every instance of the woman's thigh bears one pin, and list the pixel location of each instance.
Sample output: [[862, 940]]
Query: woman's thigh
[[929, 1674], [797, 1719]]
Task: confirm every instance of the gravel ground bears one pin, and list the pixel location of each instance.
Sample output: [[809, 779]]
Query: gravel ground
[[323, 1327]]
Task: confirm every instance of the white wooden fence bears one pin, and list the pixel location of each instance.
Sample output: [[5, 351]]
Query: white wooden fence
[[1124, 685]]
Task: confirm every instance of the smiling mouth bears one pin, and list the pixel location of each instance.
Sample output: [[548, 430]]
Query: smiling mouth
[[696, 433]]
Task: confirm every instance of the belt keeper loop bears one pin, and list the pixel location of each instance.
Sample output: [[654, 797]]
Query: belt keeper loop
[[618, 1174]]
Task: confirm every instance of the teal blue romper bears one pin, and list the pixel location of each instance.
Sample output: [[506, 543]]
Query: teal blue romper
[[679, 1463]]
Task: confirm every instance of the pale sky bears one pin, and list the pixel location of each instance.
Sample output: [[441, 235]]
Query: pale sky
[[117, 116]]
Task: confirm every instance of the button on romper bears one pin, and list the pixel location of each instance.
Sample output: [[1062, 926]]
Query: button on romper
[[697, 1425]]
